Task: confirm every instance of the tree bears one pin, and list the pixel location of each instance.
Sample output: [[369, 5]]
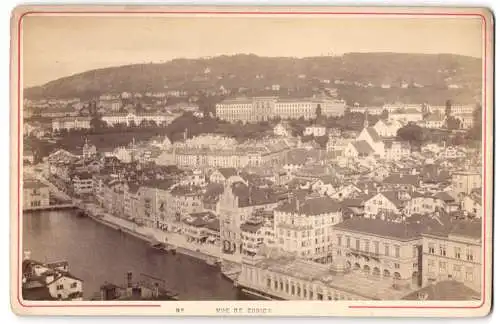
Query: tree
[[453, 123], [307, 138], [384, 115], [97, 123], [318, 111], [411, 133], [448, 105], [475, 133], [322, 140]]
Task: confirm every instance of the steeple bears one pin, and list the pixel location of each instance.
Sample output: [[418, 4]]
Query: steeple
[[365, 124]]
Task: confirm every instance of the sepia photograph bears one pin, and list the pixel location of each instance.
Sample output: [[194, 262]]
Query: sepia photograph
[[206, 158]]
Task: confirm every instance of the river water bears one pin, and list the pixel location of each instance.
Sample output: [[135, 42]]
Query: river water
[[99, 254]]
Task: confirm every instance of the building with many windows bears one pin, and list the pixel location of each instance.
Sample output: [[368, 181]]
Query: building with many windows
[[283, 277], [35, 194], [265, 108], [137, 119], [236, 205], [465, 182], [380, 248], [304, 227], [454, 253], [69, 123]]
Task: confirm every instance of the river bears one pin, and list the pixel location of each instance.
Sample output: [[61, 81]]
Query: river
[[99, 254]]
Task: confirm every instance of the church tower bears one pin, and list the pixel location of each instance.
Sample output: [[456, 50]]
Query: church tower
[[365, 124]]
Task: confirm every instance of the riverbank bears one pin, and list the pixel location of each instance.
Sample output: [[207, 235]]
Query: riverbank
[[178, 241], [205, 252]]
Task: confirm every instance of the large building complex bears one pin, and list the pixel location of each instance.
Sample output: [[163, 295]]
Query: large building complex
[[265, 108]]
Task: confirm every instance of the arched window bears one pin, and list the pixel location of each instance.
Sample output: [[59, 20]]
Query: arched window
[[376, 271], [387, 273]]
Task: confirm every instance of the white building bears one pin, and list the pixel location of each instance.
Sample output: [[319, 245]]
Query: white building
[[315, 130], [454, 254], [405, 116], [82, 183], [387, 128], [137, 119], [35, 194], [70, 123], [304, 227]]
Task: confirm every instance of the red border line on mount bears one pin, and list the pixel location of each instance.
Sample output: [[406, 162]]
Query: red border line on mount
[[435, 14]]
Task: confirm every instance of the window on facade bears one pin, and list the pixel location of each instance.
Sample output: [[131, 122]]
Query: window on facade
[[60, 287], [348, 242], [367, 245], [268, 283], [376, 247], [73, 285], [386, 249], [339, 240], [442, 250], [396, 250], [396, 265], [457, 270], [357, 244], [431, 248], [457, 253], [468, 274], [442, 266], [469, 254], [281, 285]]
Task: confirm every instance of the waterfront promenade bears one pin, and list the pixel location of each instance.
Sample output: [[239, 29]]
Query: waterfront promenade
[[179, 241]]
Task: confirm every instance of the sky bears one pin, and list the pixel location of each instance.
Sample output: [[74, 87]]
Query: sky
[[59, 46]]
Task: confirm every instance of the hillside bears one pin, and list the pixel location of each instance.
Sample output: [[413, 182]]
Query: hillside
[[432, 71]]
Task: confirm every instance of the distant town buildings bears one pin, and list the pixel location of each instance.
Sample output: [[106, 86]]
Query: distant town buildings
[[70, 123], [35, 194]]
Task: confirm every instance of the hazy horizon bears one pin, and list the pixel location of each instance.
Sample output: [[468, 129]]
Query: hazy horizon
[[55, 47]]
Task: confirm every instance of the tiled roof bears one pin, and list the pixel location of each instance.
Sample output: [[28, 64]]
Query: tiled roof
[[396, 178], [32, 184], [83, 175], [228, 172], [445, 290], [374, 135], [444, 196], [213, 225], [472, 229], [252, 196], [212, 192], [251, 227], [378, 227], [184, 190], [363, 147], [37, 293], [311, 207]]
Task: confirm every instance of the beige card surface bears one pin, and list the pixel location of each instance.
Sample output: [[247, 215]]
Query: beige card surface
[[251, 161]]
